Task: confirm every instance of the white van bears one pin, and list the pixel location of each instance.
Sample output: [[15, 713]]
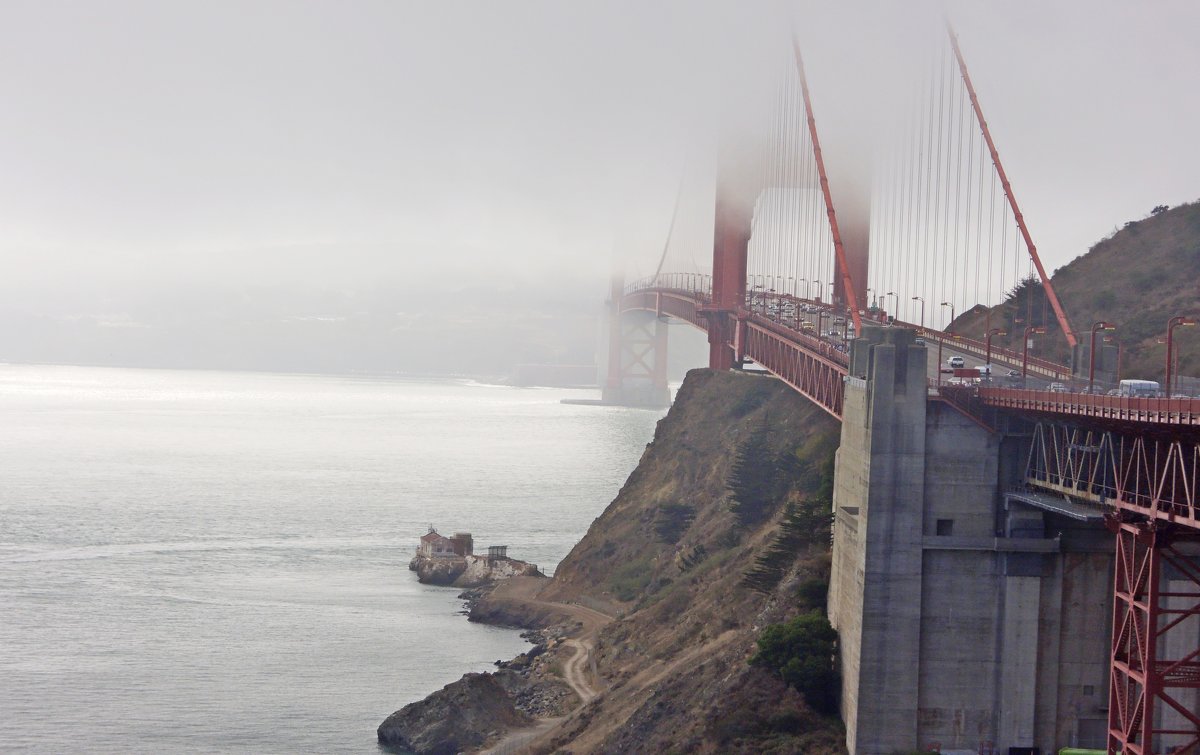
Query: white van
[[1139, 388]]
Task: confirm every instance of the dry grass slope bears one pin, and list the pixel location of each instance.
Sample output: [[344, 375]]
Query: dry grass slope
[[671, 558]]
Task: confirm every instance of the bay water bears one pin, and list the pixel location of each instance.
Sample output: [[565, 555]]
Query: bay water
[[217, 562]]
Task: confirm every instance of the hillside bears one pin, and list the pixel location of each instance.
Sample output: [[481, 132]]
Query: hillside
[[1137, 278], [721, 532]]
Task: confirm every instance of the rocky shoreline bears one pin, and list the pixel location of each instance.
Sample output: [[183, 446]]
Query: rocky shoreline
[[480, 708], [643, 639]]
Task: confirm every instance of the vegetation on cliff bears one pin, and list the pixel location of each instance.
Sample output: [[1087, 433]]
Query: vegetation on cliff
[[721, 532], [1138, 277], [691, 612]]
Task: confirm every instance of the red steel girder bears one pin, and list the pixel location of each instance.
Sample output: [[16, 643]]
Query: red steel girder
[[810, 365], [1152, 476], [1145, 712]]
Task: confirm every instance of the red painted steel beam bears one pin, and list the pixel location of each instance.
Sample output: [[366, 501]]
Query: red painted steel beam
[[1143, 674], [838, 247], [1008, 192], [812, 366]]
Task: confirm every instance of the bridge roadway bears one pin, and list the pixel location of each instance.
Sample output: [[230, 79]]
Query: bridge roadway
[[781, 336]]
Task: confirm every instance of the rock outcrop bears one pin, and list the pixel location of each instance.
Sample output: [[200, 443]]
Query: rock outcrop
[[457, 718], [470, 571]]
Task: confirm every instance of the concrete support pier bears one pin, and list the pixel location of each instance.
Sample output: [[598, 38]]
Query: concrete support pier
[[972, 616]]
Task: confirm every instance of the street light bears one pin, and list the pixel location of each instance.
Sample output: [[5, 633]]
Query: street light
[[951, 306], [987, 359], [1030, 330], [819, 289], [1099, 325], [897, 310], [922, 300], [1173, 323], [1120, 351]]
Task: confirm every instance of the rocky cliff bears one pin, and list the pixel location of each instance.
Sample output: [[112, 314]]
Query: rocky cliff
[[721, 531]]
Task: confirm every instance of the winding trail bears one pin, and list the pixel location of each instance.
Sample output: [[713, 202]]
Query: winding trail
[[579, 671]]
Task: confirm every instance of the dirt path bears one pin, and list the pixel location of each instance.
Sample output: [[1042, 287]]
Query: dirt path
[[579, 671]]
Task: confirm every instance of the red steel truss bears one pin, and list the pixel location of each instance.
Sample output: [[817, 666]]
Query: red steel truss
[[1142, 475], [816, 370], [1150, 674], [812, 366]]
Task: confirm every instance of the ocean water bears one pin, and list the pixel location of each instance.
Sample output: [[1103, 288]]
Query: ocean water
[[217, 562]]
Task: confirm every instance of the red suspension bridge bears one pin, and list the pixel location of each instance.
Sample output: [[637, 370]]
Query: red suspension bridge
[[799, 270]]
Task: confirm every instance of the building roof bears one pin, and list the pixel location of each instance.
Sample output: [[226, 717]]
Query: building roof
[[432, 537]]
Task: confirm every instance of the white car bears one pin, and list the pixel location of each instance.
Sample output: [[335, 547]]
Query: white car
[[956, 362]]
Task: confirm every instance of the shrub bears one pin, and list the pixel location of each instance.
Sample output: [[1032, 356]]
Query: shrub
[[802, 653], [754, 482], [672, 520]]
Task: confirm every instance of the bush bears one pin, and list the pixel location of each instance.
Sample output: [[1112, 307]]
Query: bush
[[754, 481], [802, 653], [672, 520]]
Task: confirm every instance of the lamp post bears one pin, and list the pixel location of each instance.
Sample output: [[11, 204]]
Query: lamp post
[[1029, 330], [869, 290], [922, 300], [1120, 351], [1097, 326], [803, 280], [896, 311], [939, 360], [1173, 323], [951, 306], [819, 289], [987, 359]]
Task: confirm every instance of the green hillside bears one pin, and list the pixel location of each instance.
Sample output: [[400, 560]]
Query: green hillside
[[1137, 278]]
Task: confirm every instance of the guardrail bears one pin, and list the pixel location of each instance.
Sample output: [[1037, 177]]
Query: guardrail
[[1155, 411]]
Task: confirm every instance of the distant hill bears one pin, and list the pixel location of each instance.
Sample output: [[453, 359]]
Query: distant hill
[[1137, 278]]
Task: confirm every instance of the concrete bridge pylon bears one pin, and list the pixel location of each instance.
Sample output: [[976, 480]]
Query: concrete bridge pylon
[[973, 614]]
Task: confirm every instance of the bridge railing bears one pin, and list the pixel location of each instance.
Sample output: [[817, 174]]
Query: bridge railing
[[1176, 412], [697, 283], [1159, 411]]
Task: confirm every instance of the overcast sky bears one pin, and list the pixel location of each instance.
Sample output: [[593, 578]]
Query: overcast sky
[[305, 143]]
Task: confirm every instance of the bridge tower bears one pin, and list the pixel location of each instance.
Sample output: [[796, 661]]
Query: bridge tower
[[731, 240], [636, 373]]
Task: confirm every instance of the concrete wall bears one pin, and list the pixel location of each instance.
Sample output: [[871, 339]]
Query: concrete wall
[[964, 621], [878, 494]]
